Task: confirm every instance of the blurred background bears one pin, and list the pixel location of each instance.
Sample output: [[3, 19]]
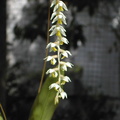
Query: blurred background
[[94, 33]]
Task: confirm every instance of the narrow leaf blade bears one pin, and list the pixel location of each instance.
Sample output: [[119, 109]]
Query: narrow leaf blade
[[44, 107]]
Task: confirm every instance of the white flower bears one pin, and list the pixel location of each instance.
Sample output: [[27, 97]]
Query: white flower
[[52, 46], [64, 65], [58, 29], [48, 58], [56, 14], [65, 53], [68, 64], [60, 17], [51, 59], [63, 95], [52, 72], [51, 29], [54, 85], [66, 79], [63, 39], [60, 5]]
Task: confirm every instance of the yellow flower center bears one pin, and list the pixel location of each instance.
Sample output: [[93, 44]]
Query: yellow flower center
[[52, 62], [61, 8], [59, 21], [54, 49], [61, 43], [58, 34]]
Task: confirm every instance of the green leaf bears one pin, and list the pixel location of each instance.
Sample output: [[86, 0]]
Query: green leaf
[[44, 107], [1, 118]]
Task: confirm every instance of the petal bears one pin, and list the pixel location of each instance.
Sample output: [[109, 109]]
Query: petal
[[62, 32], [61, 27], [63, 95], [66, 79], [52, 27], [64, 67], [68, 52], [53, 45], [53, 15], [50, 45], [50, 71], [62, 14], [54, 85], [62, 4], [68, 64], [55, 8], [65, 54], [55, 19], [63, 39], [62, 18], [53, 32], [53, 3], [48, 58], [58, 28], [64, 21]]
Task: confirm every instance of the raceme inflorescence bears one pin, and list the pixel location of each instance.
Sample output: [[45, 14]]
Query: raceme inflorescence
[[57, 59]]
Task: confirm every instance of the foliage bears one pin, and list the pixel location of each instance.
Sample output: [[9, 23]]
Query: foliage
[[44, 107], [1, 118]]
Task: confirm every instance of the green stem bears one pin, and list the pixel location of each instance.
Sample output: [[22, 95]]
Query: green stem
[[59, 73]]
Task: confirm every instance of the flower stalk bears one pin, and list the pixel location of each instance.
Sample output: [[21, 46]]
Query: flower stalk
[[57, 29]]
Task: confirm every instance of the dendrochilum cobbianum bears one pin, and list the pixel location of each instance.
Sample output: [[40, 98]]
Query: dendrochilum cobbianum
[[58, 20]]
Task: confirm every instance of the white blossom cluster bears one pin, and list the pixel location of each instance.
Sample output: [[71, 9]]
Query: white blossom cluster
[[58, 20]]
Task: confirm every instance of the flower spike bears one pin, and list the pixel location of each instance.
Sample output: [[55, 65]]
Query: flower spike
[[57, 29]]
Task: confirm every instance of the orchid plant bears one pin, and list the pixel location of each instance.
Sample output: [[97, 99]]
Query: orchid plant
[[43, 106], [57, 29]]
